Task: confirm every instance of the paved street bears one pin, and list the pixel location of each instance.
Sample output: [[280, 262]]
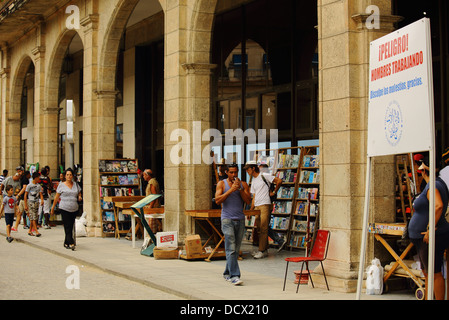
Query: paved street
[[31, 273]]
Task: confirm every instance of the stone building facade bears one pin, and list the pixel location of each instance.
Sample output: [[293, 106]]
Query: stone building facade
[[150, 67]]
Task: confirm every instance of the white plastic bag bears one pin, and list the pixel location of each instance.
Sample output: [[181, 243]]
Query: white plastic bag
[[80, 227], [375, 278]]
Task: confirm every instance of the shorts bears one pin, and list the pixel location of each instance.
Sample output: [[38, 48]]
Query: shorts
[[33, 210], [422, 248], [9, 219]]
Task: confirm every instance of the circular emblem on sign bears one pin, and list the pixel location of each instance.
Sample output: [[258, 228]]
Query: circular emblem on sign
[[393, 123]]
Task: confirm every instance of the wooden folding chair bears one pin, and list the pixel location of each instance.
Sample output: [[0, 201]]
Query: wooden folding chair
[[319, 253]]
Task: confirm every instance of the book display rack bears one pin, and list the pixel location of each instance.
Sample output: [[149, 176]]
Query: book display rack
[[117, 178], [296, 208], [306, 211]]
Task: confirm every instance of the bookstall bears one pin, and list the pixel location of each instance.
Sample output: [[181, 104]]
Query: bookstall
[[117, 178], [296, 208]]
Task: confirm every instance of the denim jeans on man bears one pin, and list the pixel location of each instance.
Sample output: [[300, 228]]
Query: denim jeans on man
[[233, 231]]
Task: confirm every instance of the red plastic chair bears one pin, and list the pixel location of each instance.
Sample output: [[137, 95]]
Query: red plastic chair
[[319, 253]]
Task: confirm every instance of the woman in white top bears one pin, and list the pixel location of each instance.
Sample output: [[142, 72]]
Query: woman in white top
[[69, 192]]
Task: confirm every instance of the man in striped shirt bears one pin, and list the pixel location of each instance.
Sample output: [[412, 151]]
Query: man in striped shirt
[[3, 176]]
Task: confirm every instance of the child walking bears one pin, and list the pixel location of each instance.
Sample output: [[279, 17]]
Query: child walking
[[33, 193], [9, 208]]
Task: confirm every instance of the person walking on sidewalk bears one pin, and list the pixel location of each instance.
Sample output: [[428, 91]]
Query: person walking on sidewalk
[[25, 177], [232, 193], [70, 194], [279, 240], [33, 193], [15, 181], [9, 207], [260, 187], [44, 212]]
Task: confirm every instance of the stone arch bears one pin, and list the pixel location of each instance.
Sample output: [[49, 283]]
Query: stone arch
[[201, 25], [109, 51], [50, 107], [13, 117], [17, 84], [55, 67]]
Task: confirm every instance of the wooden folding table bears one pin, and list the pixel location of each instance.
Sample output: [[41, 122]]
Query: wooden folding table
[[381, 230], [203, 217]]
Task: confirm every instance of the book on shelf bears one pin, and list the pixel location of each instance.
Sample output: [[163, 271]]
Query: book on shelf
[[301, 226], [118, 192], [283, 207], [279, 223], [285, 192], [286, 176], [108, 216], [288, 161], [133, 179], [303, 193], [123, 180], [308, 176], [303, 206], [112, 180], [106, 205], [117, 166], [298, 241], [310, 161]]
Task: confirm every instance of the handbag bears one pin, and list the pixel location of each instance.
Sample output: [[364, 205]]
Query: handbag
[[271, 187]]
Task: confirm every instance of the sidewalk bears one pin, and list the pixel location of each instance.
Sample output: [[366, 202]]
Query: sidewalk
[[192, 280]]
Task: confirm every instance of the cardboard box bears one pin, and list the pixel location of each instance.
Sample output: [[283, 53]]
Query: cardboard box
[[166, 253], [167, 239], [193, 246]]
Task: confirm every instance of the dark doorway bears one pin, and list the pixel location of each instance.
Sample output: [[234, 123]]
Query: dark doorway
[[149, 98]]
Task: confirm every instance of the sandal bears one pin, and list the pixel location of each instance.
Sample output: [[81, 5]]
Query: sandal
[[31, 234], [38, 234]]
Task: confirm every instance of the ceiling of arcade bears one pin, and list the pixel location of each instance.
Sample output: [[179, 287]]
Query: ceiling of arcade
[[17, 17]]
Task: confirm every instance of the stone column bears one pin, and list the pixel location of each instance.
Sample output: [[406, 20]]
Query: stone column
[[344, 55], [10, 119], [45, 117], [187, 110], [4, 79], [98, 127]]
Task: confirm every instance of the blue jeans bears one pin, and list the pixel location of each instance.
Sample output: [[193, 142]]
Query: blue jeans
[[233, 231]]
